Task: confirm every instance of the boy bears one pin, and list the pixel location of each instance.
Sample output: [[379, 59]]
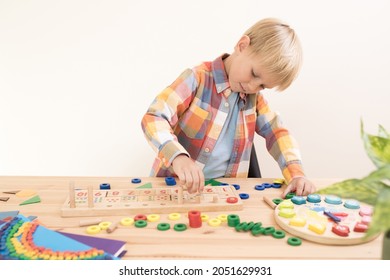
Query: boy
[[202, 126]]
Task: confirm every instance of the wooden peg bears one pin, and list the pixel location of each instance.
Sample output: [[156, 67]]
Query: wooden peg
[[269, 202]]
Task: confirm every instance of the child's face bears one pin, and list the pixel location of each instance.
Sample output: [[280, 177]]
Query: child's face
[[246, 73]]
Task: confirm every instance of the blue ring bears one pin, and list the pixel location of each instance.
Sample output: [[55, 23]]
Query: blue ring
[[105, 186], [244, 195], [259, 188], [170, 181], [136, 181], [237, 187]]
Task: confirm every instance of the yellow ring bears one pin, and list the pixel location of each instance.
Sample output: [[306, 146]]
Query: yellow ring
[[104, 225], [222, 217], [93, 229], [174, 216], [127, 221], [215, 222], [153, 217], [204, 217]]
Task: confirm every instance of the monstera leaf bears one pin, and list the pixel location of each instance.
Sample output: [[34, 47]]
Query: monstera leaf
[[373, 189]]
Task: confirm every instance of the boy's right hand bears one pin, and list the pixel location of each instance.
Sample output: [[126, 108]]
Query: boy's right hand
[[189, 173]]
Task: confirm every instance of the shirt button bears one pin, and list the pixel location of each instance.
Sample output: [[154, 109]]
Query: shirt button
[[226, 104], [207, 150], [219, 88]]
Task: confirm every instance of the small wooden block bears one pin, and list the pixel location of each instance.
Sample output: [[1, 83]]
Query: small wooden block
[[25, 193], [11, 192], [35, 199]]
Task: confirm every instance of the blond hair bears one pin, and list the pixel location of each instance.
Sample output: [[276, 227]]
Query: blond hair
[[279, 47]]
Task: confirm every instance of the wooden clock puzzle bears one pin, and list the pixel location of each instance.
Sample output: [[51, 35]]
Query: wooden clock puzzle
[[325, 219], [148, 199]]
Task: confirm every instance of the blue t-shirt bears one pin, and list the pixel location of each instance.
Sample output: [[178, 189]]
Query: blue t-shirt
[[220, 156]]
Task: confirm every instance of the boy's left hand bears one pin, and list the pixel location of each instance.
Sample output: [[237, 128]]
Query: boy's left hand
[[301, 186]]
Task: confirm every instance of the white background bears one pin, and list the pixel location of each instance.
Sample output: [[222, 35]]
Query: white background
[[77, 76]]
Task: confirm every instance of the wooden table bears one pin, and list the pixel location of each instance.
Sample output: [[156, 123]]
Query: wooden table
[[202, 243]]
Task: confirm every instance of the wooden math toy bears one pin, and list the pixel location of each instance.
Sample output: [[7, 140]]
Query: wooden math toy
[[325, 219], [156, 199]]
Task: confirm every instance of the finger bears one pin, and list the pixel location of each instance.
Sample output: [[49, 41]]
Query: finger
[[201, 175], [189, 182], [182, 178], [300, 189], [287, 190]]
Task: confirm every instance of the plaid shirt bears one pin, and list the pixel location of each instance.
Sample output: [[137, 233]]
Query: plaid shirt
[[187, 118]]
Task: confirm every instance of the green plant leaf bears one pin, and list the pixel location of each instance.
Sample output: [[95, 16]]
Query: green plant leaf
[[361, 190], [377, 147], [380, 220], [383, 132]]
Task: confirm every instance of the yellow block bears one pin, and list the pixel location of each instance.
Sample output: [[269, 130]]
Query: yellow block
[[317, 228], [287, 213], [286, 204], [298, 222]]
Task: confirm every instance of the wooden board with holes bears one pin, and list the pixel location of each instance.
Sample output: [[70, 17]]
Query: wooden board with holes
[[323, 222], [151, 200]]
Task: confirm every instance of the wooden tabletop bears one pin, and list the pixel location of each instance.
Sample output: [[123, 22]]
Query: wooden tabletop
[[205, 242]]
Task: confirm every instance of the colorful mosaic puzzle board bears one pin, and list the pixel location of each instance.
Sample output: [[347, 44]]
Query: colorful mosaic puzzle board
[[325, 219], [151, 200]]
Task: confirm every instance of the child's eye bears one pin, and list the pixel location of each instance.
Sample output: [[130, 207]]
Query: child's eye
[[253, 74]]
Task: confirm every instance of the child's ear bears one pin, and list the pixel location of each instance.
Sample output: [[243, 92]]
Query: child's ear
[[243, 43]]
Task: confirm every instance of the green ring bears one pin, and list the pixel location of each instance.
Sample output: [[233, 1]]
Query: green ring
[[233, 220], [279, 234], [257, 231], [277, 200], [269, 230], [180, 227], [163, 226], [249, 226], [290, 195], [294, 241], [140, 223], [241, 226]]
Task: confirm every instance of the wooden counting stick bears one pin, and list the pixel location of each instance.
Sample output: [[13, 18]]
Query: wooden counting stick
[[72, 200], [112, 227], [90, 222], [90, 197], [180, 195], [269, 202]]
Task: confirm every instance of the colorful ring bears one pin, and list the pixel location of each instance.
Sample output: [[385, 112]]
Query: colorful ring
[[153, 217], [140, 223], [136, 181], [104, 225], [204, 217], [93, 229], [180, 227], [214, 222], [279, 234], [163, 226], [232, 199], [233, 220], [244, 195], [222, 217], [294, 241], [174, 216], [127, 221]]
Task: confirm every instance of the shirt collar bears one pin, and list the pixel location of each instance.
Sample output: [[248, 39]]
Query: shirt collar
[[221, 79], [219, 73]]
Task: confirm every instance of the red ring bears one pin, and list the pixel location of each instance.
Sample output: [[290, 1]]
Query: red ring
[[140, 217], [232, 199]]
